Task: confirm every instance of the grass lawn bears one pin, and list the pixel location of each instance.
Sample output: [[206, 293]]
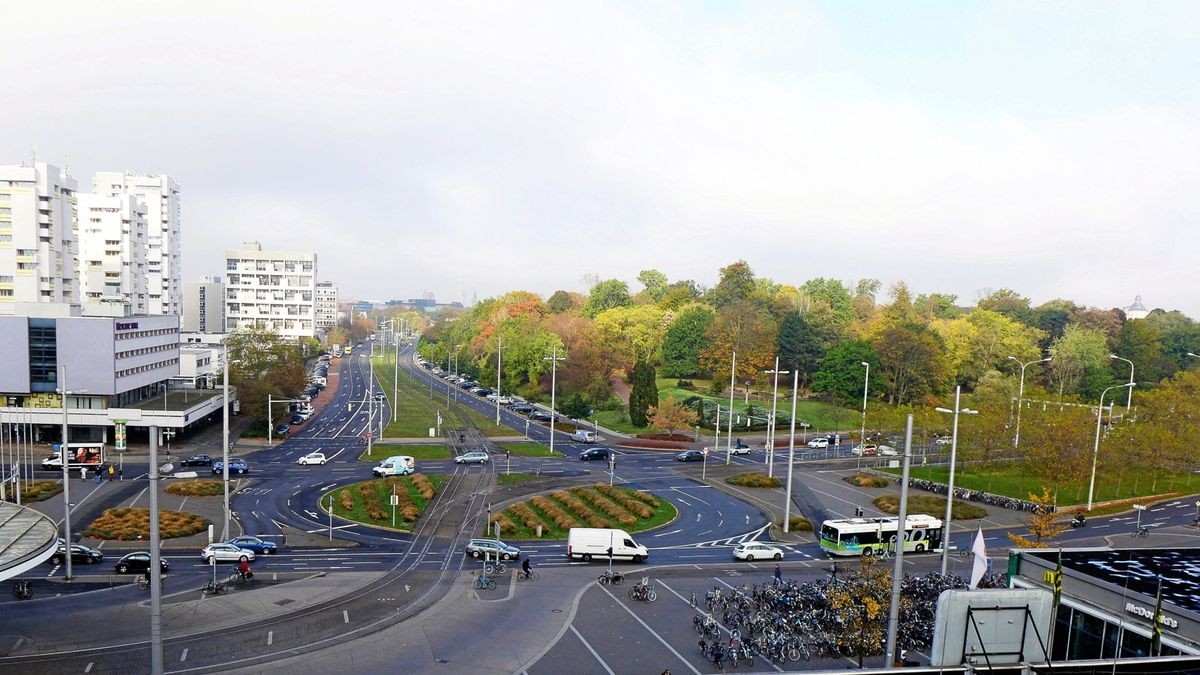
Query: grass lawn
[[529, 449], [662, 513], [381, 451], [1019, 480], [509, 478], [417, 410], [930, 505], [362, 505]]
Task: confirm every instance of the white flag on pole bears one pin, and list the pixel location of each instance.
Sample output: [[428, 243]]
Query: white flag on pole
[[980, 566]]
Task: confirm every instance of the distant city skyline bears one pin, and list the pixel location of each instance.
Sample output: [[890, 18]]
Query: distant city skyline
[[1044, 148]]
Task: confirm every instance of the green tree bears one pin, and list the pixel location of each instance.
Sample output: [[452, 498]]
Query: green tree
[[936, 306], [626, 334], [910, 362], [1139, 342], [606, 295], [576, 406], [671, 416], [1009, 303], [842, 373], [262, 364], [834, 295], [746, 329], [678, 294], [655, 284], [1073, 355], [1043, 523], [560, 303], [800, 348], [643, 393], [685, 339]]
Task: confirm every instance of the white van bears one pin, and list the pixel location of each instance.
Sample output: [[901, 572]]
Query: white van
[[593, 542], [583, 436], [397, 465]]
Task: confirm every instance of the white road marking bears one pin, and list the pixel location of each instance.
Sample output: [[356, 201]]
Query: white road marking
[[593, 651], [270, 637], [651, 630], [89, 666], [183, 656], [346, 616]]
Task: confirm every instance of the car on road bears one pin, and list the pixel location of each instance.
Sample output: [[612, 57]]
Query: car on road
[[757, 550], [865, 450], [197, 460], [282, 429], [379, 396], [690, 456], [821, 442], [225, 553], [492, 548], [583, 436], [297, 419], [540, 416], [236, 465], [138, 562], [594, 453], [472, 457], [79, 554], [312, 458], [888, 451], [259, 546], [522, 408], [740, 449]]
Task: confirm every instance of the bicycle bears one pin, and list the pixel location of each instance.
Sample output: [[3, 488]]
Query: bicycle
[[236, 578], [485, 582], [1142, 531], [22, 589], [610, 577], [643, 592], [144, 583], [494, 568], [532, 576], [213, 588]]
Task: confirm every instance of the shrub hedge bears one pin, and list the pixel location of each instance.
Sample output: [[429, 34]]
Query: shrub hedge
[[754, 479]]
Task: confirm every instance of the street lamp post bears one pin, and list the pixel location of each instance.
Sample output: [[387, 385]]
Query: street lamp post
[[770, 453], [1021, 395], [1096, 444], [396, 382], [554, 358], [729, 429], [1129, 396], [950, 490], [225, 439], [787, 502], [499, 347], [63, 456], [862, 434]]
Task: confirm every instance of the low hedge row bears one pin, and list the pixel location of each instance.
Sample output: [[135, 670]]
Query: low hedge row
[[608, 506], [652, 444], [557, 515], [372, 504], [523, 513], [423, 485], [580, 510], [506, 524], [638, 508]]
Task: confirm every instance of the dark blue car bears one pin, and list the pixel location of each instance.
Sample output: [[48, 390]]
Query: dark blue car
[[236, 465], [282, 429], [259, 546]]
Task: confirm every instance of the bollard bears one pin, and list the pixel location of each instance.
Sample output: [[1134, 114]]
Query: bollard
[[539, 530]]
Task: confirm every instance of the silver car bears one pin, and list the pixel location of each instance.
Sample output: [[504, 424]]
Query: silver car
[[225, 553], [472, 457]]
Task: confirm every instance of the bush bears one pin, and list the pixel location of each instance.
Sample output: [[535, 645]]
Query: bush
[[652, 444], [506, 525], [37, 491], [560, 519], [127, 524], [580, 509], [797, 524], [685, 384], [640, 509], [346, 499], [608, 506], [677, 438], [867, 480], [372, 504], [423, 485], [645, 497], [523, 513], [196, 488], [754, 479], [930, 504]]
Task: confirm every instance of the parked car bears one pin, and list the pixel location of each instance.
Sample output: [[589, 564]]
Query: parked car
[[943, 440], [540, 416], [865, 449], [594, 453], [493, 548], [282, 429], [690, 456], [312, 458], [820, 442], [225, 553], [138, 562], [79, 554], [259, 546], [888, 451], [197, 460], [483, 391], [236, 465], [757, 550], [297, 419], [472, 457], [522, 408]]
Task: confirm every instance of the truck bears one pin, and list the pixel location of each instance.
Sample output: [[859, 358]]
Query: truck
[[396, 465], [585, 543], [78, 454]]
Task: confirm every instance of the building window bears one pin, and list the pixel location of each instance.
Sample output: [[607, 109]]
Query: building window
[[43, 355]]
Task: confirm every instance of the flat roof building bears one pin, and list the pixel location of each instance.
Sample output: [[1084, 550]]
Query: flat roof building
[[204, 306], [37, 237], [275, 290]]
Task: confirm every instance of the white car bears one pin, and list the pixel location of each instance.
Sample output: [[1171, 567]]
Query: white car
[[819, 443], [225, 553], [865, 449], [312, 458], [740, 450], [757, 550], [888, 451]]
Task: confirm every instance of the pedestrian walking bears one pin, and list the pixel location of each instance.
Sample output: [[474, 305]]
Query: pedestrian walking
[[99, 475], [778, 575], [83, 473], [121, 473], [112, 471]]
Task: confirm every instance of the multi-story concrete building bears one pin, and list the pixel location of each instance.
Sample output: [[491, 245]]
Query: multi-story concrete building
[[37, 237], [327, 306], [159, 195], [112, 255], [204, 306], [271, 289]]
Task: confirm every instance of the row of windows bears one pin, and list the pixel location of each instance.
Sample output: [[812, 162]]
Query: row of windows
[[270, 265], [144, 369], [147, 333], [145, 350]]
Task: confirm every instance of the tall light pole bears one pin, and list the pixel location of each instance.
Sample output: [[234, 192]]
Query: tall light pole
[[770, 453], [225, 436], [1021, 394], [64, 456], [729, 429], [950, 491], [862, 434], [787, 502], [554, 358], [396, 383], [1129, 396], [1096, 445], [499, 347]]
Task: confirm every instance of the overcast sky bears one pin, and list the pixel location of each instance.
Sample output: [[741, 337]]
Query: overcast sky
[[1046, 147]]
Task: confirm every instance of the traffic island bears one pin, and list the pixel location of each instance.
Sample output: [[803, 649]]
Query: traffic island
[[392, 503], [550, 516], [131, 524]]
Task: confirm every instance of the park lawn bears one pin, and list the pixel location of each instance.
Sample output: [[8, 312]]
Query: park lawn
[[529, 449], [1019, 480], [417, 408], [664, 513], [381, 451], [383, 488]]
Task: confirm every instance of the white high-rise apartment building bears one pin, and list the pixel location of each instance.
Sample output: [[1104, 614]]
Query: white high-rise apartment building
[[204, 306], [327, 306], [37, 236], [159, 194], [271, 289], [112, 255]]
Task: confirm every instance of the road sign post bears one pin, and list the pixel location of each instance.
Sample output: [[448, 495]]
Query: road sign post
[[704, 464]]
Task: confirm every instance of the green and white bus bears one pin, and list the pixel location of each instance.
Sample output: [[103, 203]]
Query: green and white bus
[[871, 536]]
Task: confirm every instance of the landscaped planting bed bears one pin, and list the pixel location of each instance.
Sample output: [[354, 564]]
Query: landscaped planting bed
[[599, 505], [929, 504], [369, 502], [196, 488], [37, 491], [867, 480], [754, 479], [134, 524]]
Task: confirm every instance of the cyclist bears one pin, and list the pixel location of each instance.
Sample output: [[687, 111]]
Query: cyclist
[[244, 570], [525, 567]]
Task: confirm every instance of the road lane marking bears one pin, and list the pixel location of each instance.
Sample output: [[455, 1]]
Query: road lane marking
[[183, 656], [346, 616], [651, 630], [270, 637], [593, 651], [88, 669]]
